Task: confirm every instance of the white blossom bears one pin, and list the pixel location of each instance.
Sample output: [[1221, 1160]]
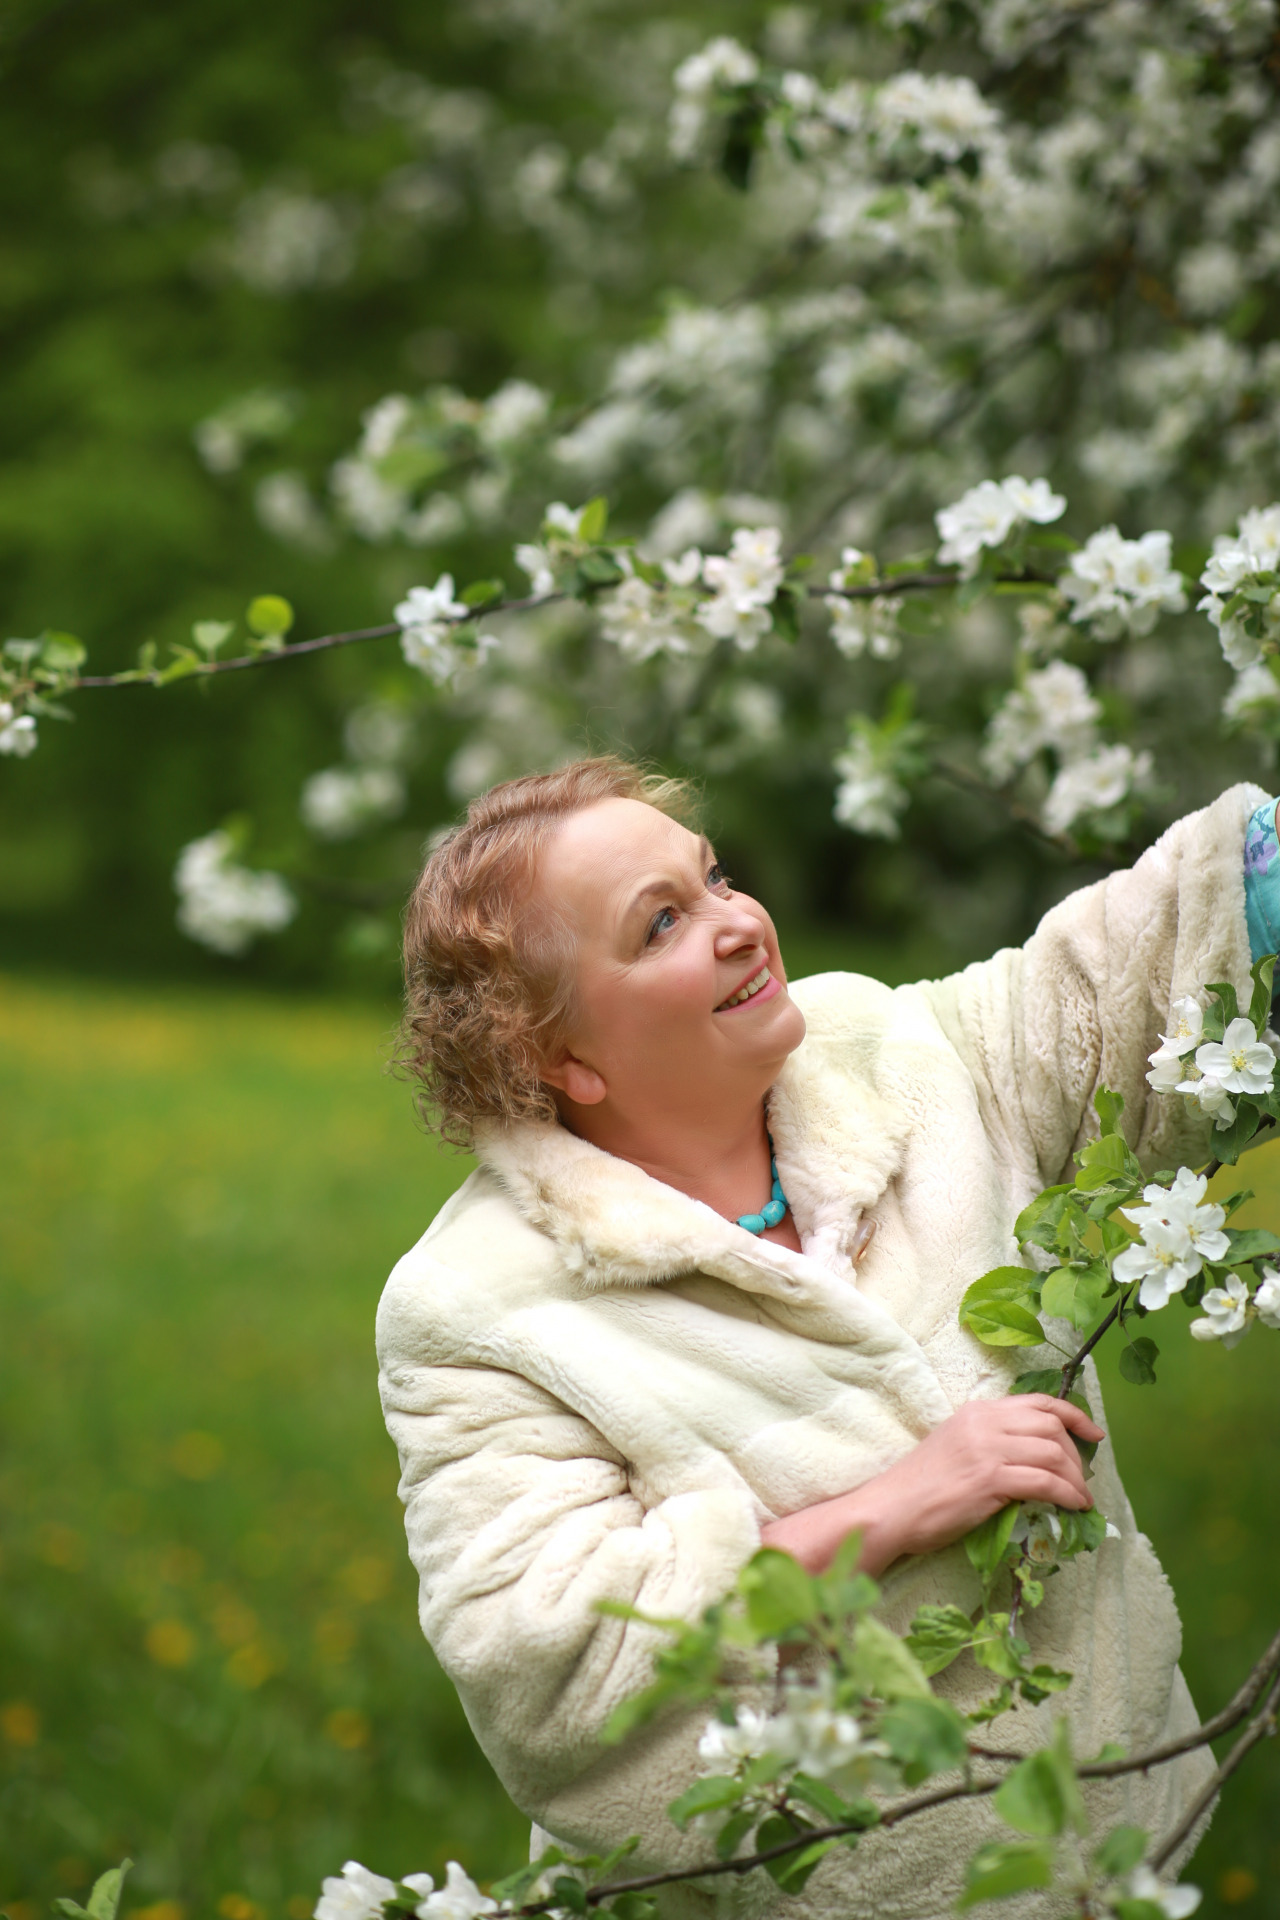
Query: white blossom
[[1209, 1095], [224, 905], [1226, 1312], [1183, 1205], [1038, 1530], [988, 514], [1176, 1903], [723, 62], [1240, 1062], [341, 801], [512, 413], [1054, 707], [427, 618], [17, 731], [870, 799], [1236, 563], [745, 580], [1100, 780], [285, 240], [1163, 1260], [1266, 1300], [1186, 1026], [685, 569], [638, 620], [458, 1899], [535, 561], [284, 506], [945, 111], [1253, 689], [730, 1747], [1116, 585], [356, 1894]]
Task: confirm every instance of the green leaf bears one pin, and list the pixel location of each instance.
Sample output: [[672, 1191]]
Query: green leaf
[[514, 1886], [1226, 995], [999, 1651], [938, 1635], [62, 652], [705, 1796], [1083, 1531], [884, 1665], [69, 1910], [925, 1737], [819, 1798], [1004, 1868], [631, 1906], [1108, 1106], [1038, 1223], [104, 1901], [1031, 1798], [1138, 1910], [483, 593], [1261, 973], [1138, 1362], [792, 1872], [1121, 1851], [986, 1544], [1042, 1681], [734, 1831], [268, 614], [593, 520], [1075, 1294], [599, 569], [778, 1592], [1249, 1243], [1038, 1380], [210, 634], [998, 1320], [570, 1892]]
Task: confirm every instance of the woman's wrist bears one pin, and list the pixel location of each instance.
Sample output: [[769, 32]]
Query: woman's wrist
[[815, 1535]]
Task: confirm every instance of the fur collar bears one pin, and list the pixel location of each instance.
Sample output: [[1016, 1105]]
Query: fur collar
[[838, 1141]]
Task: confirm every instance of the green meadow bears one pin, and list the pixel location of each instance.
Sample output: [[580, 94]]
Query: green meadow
[[209, 1653]]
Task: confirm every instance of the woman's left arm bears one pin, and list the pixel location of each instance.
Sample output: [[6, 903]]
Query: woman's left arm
[[1083, 1003]]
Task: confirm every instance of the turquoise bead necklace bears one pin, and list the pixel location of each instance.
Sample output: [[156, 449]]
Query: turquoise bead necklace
[[774, 1209]]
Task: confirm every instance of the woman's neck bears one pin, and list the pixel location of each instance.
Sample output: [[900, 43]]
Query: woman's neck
[[721, 1159]]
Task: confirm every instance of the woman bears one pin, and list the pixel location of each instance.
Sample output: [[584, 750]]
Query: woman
[[608, 1375]]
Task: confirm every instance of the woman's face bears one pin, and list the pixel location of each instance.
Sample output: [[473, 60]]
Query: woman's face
[[682, 999]]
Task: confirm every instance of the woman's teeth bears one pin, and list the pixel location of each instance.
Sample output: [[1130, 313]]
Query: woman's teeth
[[745, 993]]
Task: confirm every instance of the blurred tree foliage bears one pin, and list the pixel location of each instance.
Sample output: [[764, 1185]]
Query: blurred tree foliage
[[131, 137]]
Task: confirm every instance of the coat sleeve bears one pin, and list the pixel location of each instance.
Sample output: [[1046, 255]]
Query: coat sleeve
[[1041, 1027], [520, 1517]]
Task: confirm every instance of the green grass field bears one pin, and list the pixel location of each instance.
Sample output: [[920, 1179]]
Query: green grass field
[[209, 1655]]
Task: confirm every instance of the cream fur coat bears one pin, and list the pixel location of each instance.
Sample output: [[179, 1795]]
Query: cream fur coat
[[600, 1388]]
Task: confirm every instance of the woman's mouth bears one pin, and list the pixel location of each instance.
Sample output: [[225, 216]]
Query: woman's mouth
[[759, 983]]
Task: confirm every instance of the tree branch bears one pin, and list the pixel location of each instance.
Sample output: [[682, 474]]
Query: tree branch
[[869, 590], [1237, 1709]]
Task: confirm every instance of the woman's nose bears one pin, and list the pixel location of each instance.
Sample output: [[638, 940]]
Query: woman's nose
[[740, 928]]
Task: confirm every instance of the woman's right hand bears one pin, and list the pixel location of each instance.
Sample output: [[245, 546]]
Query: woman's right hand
[[988, 1453]]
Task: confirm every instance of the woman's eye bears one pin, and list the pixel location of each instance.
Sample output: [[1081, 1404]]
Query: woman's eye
[[661, 921], [717, 876]]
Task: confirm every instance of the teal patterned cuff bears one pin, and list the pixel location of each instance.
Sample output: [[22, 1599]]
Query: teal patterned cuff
[[1262, 881]]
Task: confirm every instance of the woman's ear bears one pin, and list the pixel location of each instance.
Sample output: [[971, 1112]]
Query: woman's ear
[[576, 1080]]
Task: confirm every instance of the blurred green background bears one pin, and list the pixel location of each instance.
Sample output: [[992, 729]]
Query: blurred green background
[[209, 1654]]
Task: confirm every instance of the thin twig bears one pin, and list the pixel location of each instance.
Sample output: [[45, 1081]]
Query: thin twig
[[1073, 1366], [869, 590], [1237, 1709], [1022, 816], [1260, 1728]]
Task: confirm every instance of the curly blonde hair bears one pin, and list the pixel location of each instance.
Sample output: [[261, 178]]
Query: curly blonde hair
[[488, 981]]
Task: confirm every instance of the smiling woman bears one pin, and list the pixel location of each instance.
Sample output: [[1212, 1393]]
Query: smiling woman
[[605, 1386]]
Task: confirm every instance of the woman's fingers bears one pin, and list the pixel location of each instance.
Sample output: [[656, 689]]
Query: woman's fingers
[[1074, 1418], [1015, 1482]]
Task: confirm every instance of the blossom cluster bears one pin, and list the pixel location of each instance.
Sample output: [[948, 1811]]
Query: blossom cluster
[[1116, 586], [17, 731], [358, 1894], [1241, 1062], [1180, 1230], [988, 514], [223, 904], [1054, 708], [1242, 588], [811, 1734]]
